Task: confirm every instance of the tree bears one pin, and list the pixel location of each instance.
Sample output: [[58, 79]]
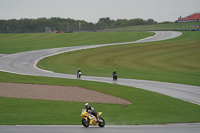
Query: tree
[[136, 21], [150, 21], [57, 23], [105, 21], [120, 22]]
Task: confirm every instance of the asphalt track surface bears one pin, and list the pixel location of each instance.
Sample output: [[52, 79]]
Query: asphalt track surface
[[168, 128], [25, 63]]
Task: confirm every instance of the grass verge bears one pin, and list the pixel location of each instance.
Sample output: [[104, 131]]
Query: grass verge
[[14, 43]]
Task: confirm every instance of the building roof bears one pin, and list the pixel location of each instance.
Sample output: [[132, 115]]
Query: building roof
[[194, 16]]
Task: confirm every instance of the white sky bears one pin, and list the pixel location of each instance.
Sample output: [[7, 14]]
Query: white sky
[[92, 10]]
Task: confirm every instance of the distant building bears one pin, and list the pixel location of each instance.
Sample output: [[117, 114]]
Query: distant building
[[191, 18]]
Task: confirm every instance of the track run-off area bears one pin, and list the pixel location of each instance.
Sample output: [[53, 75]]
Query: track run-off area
[[25, 63]]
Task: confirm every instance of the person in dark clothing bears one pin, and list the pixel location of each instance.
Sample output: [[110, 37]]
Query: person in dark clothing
[[114, 75], [79, 70], [79, 73], [91, 110]]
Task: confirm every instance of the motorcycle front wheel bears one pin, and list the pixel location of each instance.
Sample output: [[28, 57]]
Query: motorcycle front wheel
[[102, 123], [85, 123]]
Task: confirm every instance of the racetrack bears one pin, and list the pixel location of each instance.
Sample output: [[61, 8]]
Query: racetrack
[[168, 128], [25, 63]]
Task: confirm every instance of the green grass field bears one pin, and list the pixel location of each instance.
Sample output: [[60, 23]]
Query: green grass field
[[147, 108], [14, 43]]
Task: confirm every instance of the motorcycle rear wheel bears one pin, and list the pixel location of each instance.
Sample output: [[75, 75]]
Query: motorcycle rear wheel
[[85, 123]]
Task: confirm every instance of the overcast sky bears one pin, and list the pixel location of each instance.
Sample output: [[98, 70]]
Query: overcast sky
[[92, 10]]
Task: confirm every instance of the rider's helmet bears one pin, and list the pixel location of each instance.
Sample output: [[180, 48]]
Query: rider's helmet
[[87, 105]]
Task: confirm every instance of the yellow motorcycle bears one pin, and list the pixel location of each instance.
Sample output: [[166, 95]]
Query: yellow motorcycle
[[89, 119]]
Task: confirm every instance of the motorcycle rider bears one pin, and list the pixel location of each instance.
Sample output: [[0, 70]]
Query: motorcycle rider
[[79, 73], [114, 75], [91, 110]]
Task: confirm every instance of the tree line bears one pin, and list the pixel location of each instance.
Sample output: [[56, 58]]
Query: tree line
[[57, 23]]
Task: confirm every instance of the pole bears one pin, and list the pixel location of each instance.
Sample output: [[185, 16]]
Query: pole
[[68, 26], [79, 26]]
